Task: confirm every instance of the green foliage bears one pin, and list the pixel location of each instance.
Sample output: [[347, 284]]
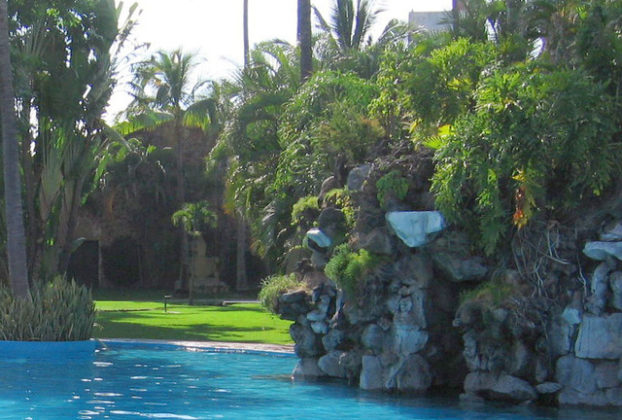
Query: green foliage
[[57, 311], [304, 207], [391, 184], [274, 286], [195, 217], [492, 292], [544, 134], [348, 269], [341, 198]]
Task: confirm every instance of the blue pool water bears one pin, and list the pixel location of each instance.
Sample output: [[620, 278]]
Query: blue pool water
[[138, 381]]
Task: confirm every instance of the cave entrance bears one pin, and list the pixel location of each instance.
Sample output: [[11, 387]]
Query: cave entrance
[[84, 264], [121, 262]]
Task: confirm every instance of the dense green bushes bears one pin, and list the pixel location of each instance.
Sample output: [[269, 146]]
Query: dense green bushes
[[537, 139], [274, 286], [56, 311], [348, 268]]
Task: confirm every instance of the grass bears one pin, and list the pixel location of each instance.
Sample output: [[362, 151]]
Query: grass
[[141, 315]]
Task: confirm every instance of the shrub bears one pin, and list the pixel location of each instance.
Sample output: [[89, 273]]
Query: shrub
[[57, 311], [342, 199], [304, 209], [537, 140], [391, 184], [348, 269], [274, 286]]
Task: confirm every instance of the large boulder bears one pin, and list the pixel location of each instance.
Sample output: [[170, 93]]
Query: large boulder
[[615, 282], [377, 241], [459, 268], [599, 288], [600, 337], [408, 339], [332, 364], [600, 251], [319, 238], [357, 177], [612, 232], [576, 374], [371, 378], [415, 228], [499, 387], [414, 375], [307, 368]]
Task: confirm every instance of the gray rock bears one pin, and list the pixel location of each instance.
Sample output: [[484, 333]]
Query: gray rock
[[331, 364], [615, 282], [408, 339], [572, 315], [414, 375], [560, 335], [318, 259], [357, 177], [576, 374], [606, 374], [548, 388], [371, 378], [377, 241], [415, 228], [612, 232], [292, 297], [319, 238], [470, 352], [598, 287], [316, 315], [599, 251], [373, 338], [614, 396], [328, 184], [459, 269], [499, 387], [521, 359], [305, 339], [307, 368], [620, 371], [572, 397], [411, 309], [541, 371], [333, 339], [600, 337], [319, 327]]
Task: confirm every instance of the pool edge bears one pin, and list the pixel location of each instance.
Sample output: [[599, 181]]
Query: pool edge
[[217, 345]]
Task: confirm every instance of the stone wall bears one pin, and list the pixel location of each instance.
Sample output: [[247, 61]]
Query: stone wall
[[551, 335]]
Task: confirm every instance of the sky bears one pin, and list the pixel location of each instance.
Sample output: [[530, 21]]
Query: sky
[[212, 29]]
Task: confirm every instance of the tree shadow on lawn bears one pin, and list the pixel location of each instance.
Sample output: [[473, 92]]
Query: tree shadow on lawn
[[140, 325]]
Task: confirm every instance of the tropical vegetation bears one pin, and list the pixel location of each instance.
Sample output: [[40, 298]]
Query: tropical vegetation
[[515, 107]]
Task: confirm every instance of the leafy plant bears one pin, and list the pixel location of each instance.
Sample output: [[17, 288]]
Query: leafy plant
[[57, 311], [274, 286], [304, 207], [391, 184], [348, 269], [341, 198], [195, 217], [538, 139]]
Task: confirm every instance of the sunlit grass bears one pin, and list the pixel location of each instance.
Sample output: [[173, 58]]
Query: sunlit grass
[[246, 322]]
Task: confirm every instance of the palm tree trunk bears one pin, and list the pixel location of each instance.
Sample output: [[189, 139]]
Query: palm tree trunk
[[241, 282], [181, 198], [305, 39], [247, 54], [16, 237]]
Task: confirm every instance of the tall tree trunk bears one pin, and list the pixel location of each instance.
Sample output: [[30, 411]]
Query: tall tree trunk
[[247, 51], [241, 281], [16, 237], [305, 39], [181, 198]]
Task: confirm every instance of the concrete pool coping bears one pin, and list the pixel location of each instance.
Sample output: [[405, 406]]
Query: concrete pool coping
[[234, 346]]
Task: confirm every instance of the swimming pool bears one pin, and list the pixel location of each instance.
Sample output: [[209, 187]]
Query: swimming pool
[[137, 381]]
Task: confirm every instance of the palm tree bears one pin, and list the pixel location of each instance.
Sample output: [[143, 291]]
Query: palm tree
[[349, 25], [16, 237], [165, 95], [305, 41], [247, 53]]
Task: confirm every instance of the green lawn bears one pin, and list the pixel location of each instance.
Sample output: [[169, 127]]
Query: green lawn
[[130, 316]]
